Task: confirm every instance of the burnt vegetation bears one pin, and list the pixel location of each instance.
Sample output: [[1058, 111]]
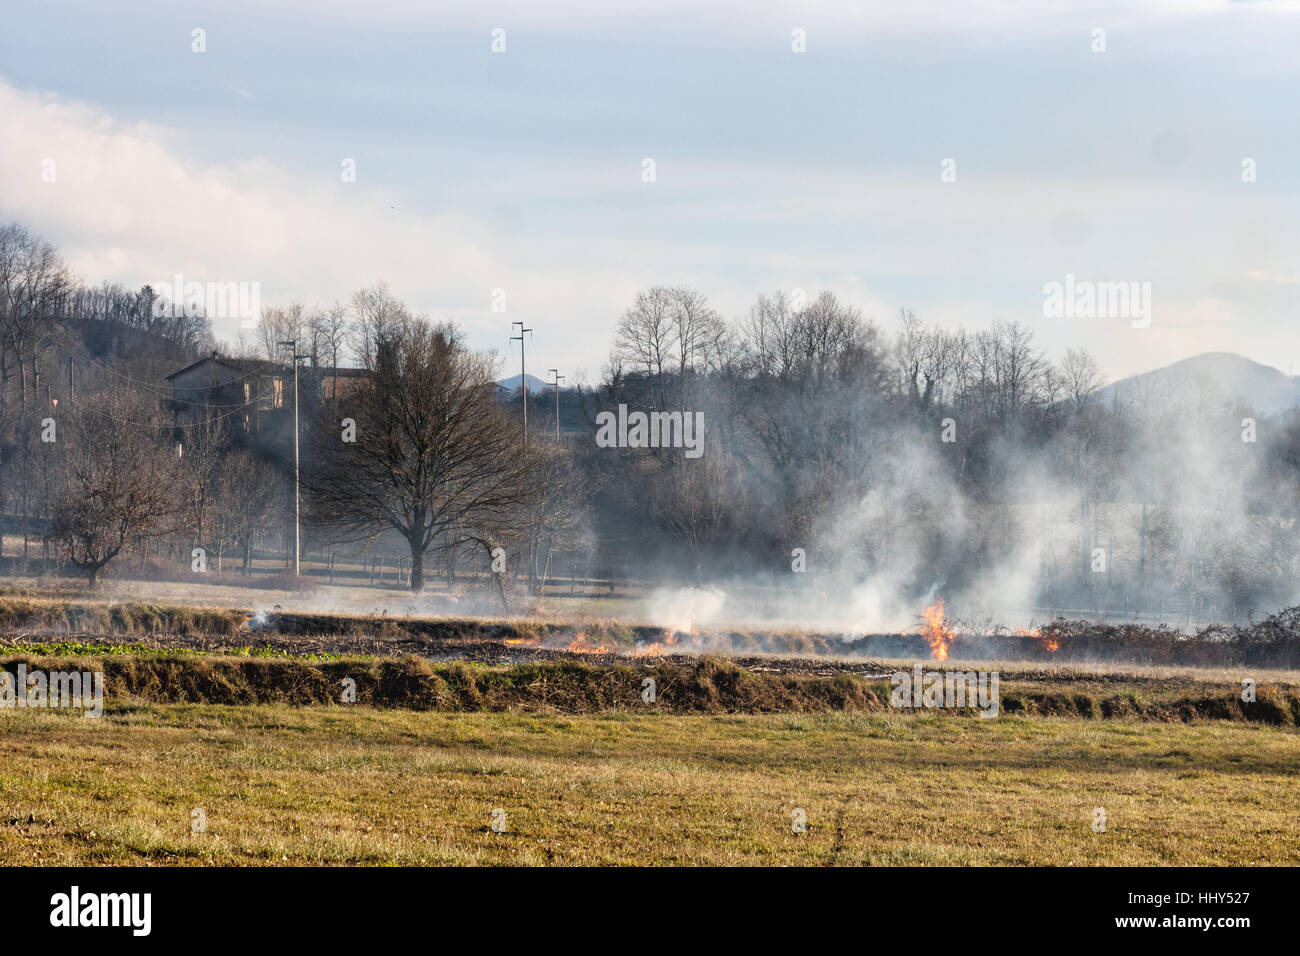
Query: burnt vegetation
[[1272, 643]]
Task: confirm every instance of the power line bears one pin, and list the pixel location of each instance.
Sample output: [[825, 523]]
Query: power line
[[170, 390], [194, 424]]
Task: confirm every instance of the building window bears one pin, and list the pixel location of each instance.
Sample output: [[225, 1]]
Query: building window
[[277, 389], [248, 393]]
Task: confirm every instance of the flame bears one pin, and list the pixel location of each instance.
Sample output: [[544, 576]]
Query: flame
[[657, 648], [584, 645], [1050, 643], [937, 634]]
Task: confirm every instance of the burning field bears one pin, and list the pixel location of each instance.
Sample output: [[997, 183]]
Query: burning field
[[1272, 643], [172, 654], [1071, 669], [604, 743]]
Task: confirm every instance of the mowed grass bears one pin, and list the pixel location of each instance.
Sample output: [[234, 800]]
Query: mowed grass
[[327, 785]]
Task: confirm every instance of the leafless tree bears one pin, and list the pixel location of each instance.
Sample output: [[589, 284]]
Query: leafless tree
[[554, 508], [120, 480], [644, 338], [248, 493], [33, 284], [767, 335], [380, 317], [930, 360], [817, 380], [695, 329], [435, 458], [330, 330], [204, 447], [693, 504], [282, 325], [1082, 376]]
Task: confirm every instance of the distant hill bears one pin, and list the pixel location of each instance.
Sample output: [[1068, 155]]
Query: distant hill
[[1221, 376], [535, 384]]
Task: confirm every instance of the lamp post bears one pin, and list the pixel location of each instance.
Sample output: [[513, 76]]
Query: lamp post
[[297, 511], [523, 378], [558, 379]]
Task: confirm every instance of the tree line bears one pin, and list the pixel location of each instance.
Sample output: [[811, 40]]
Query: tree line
[[919, 456]]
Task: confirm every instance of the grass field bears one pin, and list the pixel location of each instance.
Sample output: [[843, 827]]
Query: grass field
[[457, 718], [328, 785]]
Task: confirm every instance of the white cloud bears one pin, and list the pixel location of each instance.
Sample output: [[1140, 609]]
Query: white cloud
[[1270, 277], [836, 17], [127, 205], [581, 235]]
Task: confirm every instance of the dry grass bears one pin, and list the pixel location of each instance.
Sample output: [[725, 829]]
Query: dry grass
[[286, 785], [1111, 669], [38, 614], [134, 673]]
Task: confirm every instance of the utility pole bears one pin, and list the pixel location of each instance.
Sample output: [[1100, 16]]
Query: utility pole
[[558, 379], [523, 378], [297, 512]]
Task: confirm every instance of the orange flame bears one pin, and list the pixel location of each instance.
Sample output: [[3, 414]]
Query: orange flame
[[1051, 644], [582, 644], [657, 648], [937, 634]]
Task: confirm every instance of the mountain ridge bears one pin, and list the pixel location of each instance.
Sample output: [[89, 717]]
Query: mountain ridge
[[1223, 375], [535, 384]]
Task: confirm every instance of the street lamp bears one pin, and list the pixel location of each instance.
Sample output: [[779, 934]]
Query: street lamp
[[523, 377], [558, 379], [297, 510]]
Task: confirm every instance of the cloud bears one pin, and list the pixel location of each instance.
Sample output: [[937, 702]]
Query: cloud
[[995, 18], [126, 204], [571, 233], [1273, 278]]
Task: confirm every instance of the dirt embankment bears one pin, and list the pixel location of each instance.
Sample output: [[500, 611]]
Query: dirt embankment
[[680, 686], [704, 685]]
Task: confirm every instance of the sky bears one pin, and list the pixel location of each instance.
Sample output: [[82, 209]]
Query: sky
[[943, 156]]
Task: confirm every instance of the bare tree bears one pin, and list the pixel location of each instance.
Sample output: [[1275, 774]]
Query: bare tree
[[695, 327], [767, 335], [330, 330], [694, 505], [204, 447], [379, 317], [553, 509], [1082, 376], [248, 493], [435, 458], [929, 360], [120, 480], [644, 337], [33, 285], [282, 325], [816, 379]]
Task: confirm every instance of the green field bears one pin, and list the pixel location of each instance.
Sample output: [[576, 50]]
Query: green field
[[333, 785]]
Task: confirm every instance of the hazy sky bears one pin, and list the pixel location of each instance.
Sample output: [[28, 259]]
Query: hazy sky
[[522, 170]]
